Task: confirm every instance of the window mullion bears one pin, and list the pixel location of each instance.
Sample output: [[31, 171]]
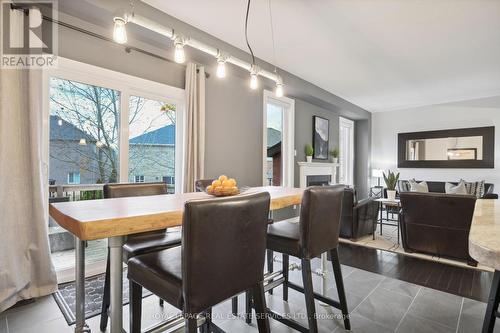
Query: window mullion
[[124, 133]]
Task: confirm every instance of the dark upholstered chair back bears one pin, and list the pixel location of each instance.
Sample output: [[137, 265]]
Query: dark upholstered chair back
[[133, 190], [320, 219], [437, 223], [438, 209], [201, 184], [223, 248]]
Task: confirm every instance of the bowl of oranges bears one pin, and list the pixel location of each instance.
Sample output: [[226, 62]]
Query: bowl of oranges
[[223, 187]]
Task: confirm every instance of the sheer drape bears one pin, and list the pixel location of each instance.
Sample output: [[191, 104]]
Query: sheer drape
[[26, 270], [194, 162]]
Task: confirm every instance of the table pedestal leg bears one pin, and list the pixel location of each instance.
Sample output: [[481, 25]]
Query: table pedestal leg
[[116, 277], [323, 272], [80, 325]]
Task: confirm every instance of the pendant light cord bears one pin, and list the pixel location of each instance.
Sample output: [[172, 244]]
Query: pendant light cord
[[272, 34], [246, 32]]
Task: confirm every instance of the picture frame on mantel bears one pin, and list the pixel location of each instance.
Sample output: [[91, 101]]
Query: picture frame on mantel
[[321, 137]]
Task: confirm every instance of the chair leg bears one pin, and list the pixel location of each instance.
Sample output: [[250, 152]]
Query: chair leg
[[309, 295], [191, 324], [205, 328], [135, 306], [248, 307], [491, 308], [105, 299], [234, 305], [337, 271], [286, 264], [259, 300], [270, 268]]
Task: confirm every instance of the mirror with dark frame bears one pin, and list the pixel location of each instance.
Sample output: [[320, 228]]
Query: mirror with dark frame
[[455, 148]]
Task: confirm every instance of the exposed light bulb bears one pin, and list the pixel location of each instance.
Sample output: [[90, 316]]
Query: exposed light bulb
[[82, 142], [59, 122], [279, 89], [120, 31], [99, 144], [221, 69], [254, 81], [179, 55]]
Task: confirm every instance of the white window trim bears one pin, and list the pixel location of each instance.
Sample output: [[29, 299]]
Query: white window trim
[[288, 140], [128, 85], [349, 176]]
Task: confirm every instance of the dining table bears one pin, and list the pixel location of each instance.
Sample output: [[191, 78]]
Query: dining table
[[114, 219], [484, 247]]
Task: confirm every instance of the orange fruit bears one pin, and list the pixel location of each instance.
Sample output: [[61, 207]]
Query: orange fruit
[[216, 183], [209, 189], [233, 182], [227, 183], [222, 178]]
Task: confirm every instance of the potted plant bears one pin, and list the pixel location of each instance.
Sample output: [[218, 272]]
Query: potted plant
[[391, 180], [309, 152], [334, 153]]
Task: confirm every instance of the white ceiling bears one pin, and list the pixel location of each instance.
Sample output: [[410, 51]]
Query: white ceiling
[[381, 55]]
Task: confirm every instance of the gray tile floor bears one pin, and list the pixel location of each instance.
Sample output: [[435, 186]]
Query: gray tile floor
[[376, 304]]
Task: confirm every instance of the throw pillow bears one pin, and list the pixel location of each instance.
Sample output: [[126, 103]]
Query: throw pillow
[[404, 186], [418, 187], [475, 188], [456, 189]]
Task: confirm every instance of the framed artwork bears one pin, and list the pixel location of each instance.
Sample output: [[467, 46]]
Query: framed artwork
[[321, 133]]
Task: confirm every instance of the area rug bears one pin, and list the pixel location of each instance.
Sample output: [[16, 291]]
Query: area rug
[[388, 241], [65, 297]]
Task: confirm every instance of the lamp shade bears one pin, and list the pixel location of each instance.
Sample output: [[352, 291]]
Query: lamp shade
[[377, 173]]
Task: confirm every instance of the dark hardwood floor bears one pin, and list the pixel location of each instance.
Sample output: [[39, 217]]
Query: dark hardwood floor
[[461, 281]]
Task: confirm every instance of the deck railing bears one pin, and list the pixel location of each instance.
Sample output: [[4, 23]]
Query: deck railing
[[77, 192]]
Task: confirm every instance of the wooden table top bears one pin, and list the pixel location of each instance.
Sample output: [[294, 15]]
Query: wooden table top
[[97, 219], [484, 236]]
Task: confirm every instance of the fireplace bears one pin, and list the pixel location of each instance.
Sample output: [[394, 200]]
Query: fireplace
[[319, 180], [317, 173]]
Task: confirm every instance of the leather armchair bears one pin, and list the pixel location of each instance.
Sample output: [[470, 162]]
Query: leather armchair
[[437, 224], [358, 217]]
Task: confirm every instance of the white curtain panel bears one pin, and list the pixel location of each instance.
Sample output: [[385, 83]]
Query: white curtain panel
[[26, 270], [194, 161]]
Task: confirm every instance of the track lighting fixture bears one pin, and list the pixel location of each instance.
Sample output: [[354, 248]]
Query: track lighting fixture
[[179, 55], [254, 79], [124, 17], [221, 68], [279, 88], [119, 30], [221, 64]]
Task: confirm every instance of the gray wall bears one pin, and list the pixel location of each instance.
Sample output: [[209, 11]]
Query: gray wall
[[233, 111], [304, 113]]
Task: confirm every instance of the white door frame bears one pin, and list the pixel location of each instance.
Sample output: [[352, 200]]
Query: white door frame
[[287, 143], [346, 162]]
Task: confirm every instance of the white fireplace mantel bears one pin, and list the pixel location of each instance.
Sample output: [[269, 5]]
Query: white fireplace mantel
[[317, 169]]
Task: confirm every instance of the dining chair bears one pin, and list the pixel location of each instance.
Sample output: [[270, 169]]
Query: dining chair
[[316, 233], [201, 184], [138, 243], [222, 254]]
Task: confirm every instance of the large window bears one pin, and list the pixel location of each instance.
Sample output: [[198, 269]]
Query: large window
[[278, 159], [104, 127]]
